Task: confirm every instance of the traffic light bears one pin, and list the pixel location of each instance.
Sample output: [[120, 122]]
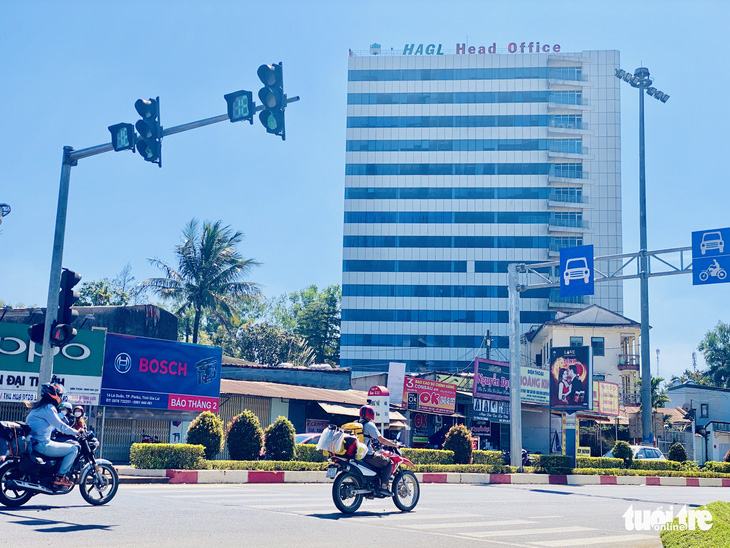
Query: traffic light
[[240, 106], [62, 332], [123, 137], [149, 142], [272, 98], [36, 333]]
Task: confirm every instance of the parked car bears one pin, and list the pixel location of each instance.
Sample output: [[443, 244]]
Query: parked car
[[642, 452], [308, 438]]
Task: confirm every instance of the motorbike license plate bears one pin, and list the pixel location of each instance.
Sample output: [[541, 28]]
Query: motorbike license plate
[[331, 472]]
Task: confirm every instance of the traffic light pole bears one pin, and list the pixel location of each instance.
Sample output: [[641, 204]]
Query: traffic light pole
[[70, 159]]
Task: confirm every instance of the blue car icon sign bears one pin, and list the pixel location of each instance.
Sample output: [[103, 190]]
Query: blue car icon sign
[[576, 269]]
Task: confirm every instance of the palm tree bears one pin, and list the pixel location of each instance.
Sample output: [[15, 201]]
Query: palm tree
[[209, 273]]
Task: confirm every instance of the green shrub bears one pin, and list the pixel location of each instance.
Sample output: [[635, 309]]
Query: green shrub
[[207, 430], [462, 468], [279, 440], [458, 440], [266, 465], [622, 450], [598, 462], [428, 456], [552, 464], [727, 456], [643, 464], [677, 452], [244, 436], [163, 456], [651, 473], [495, 458], [690, 465], [306, 452], [714, 466]]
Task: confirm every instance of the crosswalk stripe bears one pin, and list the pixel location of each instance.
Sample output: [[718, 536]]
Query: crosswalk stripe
[[519, 532], [470, 524], [593, 540]]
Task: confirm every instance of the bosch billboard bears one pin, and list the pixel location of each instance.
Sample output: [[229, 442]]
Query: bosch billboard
[[156, 374]]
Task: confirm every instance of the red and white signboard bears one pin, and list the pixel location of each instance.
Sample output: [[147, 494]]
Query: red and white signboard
[[424, 395], [379, 398]]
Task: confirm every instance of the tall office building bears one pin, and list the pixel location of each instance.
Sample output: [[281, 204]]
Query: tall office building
[[457, 165]]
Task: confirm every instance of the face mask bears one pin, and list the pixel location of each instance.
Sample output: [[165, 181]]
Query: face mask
[[77, 414], [64, 411]]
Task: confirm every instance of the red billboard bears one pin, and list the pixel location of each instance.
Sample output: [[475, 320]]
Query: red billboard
[[424, 395]]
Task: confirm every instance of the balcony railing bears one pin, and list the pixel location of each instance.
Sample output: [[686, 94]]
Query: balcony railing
[[567, 172], [628, 362], [567, 198], [569, 223], [573, 124]]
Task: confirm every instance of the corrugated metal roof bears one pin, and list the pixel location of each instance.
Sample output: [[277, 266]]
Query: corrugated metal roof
[[292, 392]]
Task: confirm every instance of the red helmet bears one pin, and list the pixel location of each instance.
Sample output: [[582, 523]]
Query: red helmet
[[367, 412]]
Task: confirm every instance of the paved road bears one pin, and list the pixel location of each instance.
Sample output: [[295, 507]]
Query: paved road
[[303, 515]]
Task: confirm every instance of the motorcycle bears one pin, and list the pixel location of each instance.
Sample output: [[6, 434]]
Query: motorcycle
[[714, 270], [355, 481], [29, 473]]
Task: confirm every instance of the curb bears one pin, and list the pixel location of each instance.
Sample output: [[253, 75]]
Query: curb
[[262, 476]]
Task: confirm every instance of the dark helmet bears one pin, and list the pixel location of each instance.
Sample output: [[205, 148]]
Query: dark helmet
[[367, 412], [52, 392], [77, 409]]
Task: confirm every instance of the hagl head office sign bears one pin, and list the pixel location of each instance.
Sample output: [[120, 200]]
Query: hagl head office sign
[[141, 372]]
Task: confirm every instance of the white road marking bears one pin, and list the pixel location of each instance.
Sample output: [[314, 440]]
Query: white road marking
[[624, 539], [470, 524], [519, 532]]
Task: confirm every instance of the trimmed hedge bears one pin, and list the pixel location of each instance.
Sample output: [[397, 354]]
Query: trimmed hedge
[[598, 462], [266, 465], [552, 464], [714, 466], [162, 456], [495, 458], [428, 456], [306, 452], [643, 464], [463, 468]]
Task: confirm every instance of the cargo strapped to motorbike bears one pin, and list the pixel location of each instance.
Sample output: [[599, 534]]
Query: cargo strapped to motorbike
[[14, 438]]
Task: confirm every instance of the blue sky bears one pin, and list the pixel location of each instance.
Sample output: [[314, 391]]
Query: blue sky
[[70, 69]]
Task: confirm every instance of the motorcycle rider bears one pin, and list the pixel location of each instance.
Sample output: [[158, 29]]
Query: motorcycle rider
[[64, 411], [371, 436], [43, 421]]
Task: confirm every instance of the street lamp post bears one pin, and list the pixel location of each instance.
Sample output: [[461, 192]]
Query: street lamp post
[[640, 80]]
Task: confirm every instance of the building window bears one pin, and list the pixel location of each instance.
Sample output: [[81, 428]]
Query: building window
[[598, 346], [704, 410], [576, 341]]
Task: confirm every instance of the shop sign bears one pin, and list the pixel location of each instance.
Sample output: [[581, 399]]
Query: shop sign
[[155, 374], [491, 379], [481, 427], [425, 395], [570, 378], [315, 426], [535, 385], [491, 410], [77, 366], [605, 398]]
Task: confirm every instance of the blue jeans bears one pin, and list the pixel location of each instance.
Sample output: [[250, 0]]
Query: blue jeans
[[57, 449]]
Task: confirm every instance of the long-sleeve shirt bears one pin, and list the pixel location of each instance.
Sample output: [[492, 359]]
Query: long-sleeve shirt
[[44, 421]]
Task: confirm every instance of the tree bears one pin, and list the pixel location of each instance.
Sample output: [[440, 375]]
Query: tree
[[279, 440], [658, 397], [209, 273], [315, 316], [458, 440], [207, 430], [715, 348], [698, 377], [677, 452], [106, 292], [265, 344], [244, 436]]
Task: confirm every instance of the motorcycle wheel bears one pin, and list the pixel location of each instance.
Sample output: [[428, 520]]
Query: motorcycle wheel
[[342, 493], [10, 497], [99, 491], [722, 274], [703, 276], [406, 491]]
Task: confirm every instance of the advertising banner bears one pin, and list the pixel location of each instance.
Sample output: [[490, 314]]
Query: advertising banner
[[570, 378], [379, 398], [535, 385], [155, 374], [491, 410], [424, 395], [605, 398], [77, 366], [491, 379]]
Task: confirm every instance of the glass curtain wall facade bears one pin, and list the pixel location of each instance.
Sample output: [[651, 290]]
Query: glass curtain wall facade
[[456, 166]]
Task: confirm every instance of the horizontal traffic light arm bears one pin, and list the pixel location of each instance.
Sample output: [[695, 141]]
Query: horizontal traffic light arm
[[73, 156]]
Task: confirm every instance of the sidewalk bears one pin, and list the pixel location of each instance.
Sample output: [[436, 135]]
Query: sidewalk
[[127, 474]]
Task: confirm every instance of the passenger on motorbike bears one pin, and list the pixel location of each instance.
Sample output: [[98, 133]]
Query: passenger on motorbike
[[372, 436], [64, 411], [78, 416], [43, 421]]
